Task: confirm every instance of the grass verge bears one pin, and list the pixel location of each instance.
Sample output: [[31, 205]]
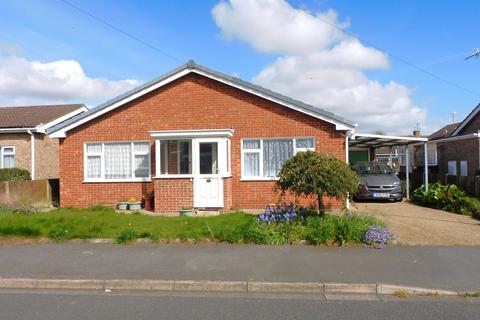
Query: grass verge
[[236, 227]]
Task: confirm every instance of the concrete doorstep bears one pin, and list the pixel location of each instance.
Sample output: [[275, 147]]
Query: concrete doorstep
[[322, 288]]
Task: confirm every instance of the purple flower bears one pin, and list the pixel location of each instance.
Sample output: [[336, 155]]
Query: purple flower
[[280, 214], [378, 237]]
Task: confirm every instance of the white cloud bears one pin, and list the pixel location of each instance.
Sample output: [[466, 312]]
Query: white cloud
[[22, 80], [319, 64]]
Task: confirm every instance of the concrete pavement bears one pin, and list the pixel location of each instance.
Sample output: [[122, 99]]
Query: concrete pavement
[[450, 268]]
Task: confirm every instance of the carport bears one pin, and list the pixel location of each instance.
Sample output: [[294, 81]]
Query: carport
[[367, 141]]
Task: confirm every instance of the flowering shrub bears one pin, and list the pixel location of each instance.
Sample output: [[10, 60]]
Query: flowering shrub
[[287, 224], [378, 236], [448, 198], [281, 214]]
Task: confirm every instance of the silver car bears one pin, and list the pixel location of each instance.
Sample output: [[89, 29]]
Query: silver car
[[377, 181]]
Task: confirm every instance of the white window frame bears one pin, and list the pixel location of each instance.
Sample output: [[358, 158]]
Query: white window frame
[[102, 162], [224, 158], [3, 153], [463, 165], [161, 155], [455, 167], [260, 152]]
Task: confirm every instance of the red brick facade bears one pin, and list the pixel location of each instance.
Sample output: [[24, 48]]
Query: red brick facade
[[459, 150], [173, 194], [191, 102]]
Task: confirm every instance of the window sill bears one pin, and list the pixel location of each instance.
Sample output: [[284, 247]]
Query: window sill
[[257, 179], [189, 176], [175, 176], [116, 180]]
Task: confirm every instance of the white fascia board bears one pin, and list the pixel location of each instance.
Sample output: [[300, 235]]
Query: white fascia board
[[466, 121], [43, 127], [17, 130], [338, 125], [208, 133], [379, 136], [62, 133], [455, 138]]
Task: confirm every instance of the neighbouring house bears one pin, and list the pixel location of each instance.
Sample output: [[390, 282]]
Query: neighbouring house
[[23, 139], [195, 138], [453, 153], [457, 146]]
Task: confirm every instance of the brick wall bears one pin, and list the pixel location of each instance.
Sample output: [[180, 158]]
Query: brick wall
[[227, 194], [192, 102], [46, 157], [473, 126], [173, 194], [466, 149]]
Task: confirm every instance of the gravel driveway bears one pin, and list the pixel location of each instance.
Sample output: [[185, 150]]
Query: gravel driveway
[[416, 225]]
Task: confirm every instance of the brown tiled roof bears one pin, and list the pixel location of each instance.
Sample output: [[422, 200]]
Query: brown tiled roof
[[444, 132], [32, 116]]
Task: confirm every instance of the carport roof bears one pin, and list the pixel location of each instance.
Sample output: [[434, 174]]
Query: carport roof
[[367, 140]]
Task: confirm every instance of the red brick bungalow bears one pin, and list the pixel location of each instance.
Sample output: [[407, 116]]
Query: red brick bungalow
[[196, 138]]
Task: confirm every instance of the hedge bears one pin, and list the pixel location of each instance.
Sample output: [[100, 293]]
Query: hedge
[[14, 174]]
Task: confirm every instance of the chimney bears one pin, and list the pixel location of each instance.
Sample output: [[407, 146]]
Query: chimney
[[416, 133]]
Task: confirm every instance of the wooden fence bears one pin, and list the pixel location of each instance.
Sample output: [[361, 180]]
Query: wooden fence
[[38, 193]]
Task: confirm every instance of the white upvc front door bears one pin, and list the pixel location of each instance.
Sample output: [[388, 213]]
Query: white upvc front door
[[208, 182]]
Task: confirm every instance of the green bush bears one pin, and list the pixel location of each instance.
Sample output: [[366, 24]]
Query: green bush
[[23, 231], [59, 233], [349, 228], [313, 173], [127, 235], [14, 174], [276, 233], [320, 231], [316, 229], [448, 198]]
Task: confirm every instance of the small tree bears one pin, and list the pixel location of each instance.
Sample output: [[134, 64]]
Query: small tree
[[311, 173]]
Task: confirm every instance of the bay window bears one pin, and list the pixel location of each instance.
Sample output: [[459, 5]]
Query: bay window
[[117, 161], [264, 158], [176, 157]]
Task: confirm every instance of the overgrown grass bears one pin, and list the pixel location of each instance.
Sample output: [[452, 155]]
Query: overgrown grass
[[100, 222], [316, 229], [236, 227]]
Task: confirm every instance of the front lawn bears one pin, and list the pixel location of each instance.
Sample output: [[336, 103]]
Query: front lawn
[[236, 227]]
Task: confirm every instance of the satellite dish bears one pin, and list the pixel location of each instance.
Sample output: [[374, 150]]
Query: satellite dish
[[476, 54]]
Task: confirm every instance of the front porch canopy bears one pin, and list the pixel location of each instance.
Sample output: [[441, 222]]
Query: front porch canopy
[[367, 140]]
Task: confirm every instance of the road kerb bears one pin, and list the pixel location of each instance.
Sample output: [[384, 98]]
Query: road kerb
[[350, 288], [286, 287], [18, 283], [391, 289], [147, 285], [213, 286], [326, 288], [71, 284]]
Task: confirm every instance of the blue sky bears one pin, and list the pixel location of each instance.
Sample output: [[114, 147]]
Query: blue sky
[[435, 35]]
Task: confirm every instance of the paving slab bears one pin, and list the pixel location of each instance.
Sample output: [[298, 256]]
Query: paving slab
[[450, 268]]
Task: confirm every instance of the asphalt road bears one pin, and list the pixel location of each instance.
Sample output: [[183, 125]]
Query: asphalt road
[[432, 267], [61, 305]]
